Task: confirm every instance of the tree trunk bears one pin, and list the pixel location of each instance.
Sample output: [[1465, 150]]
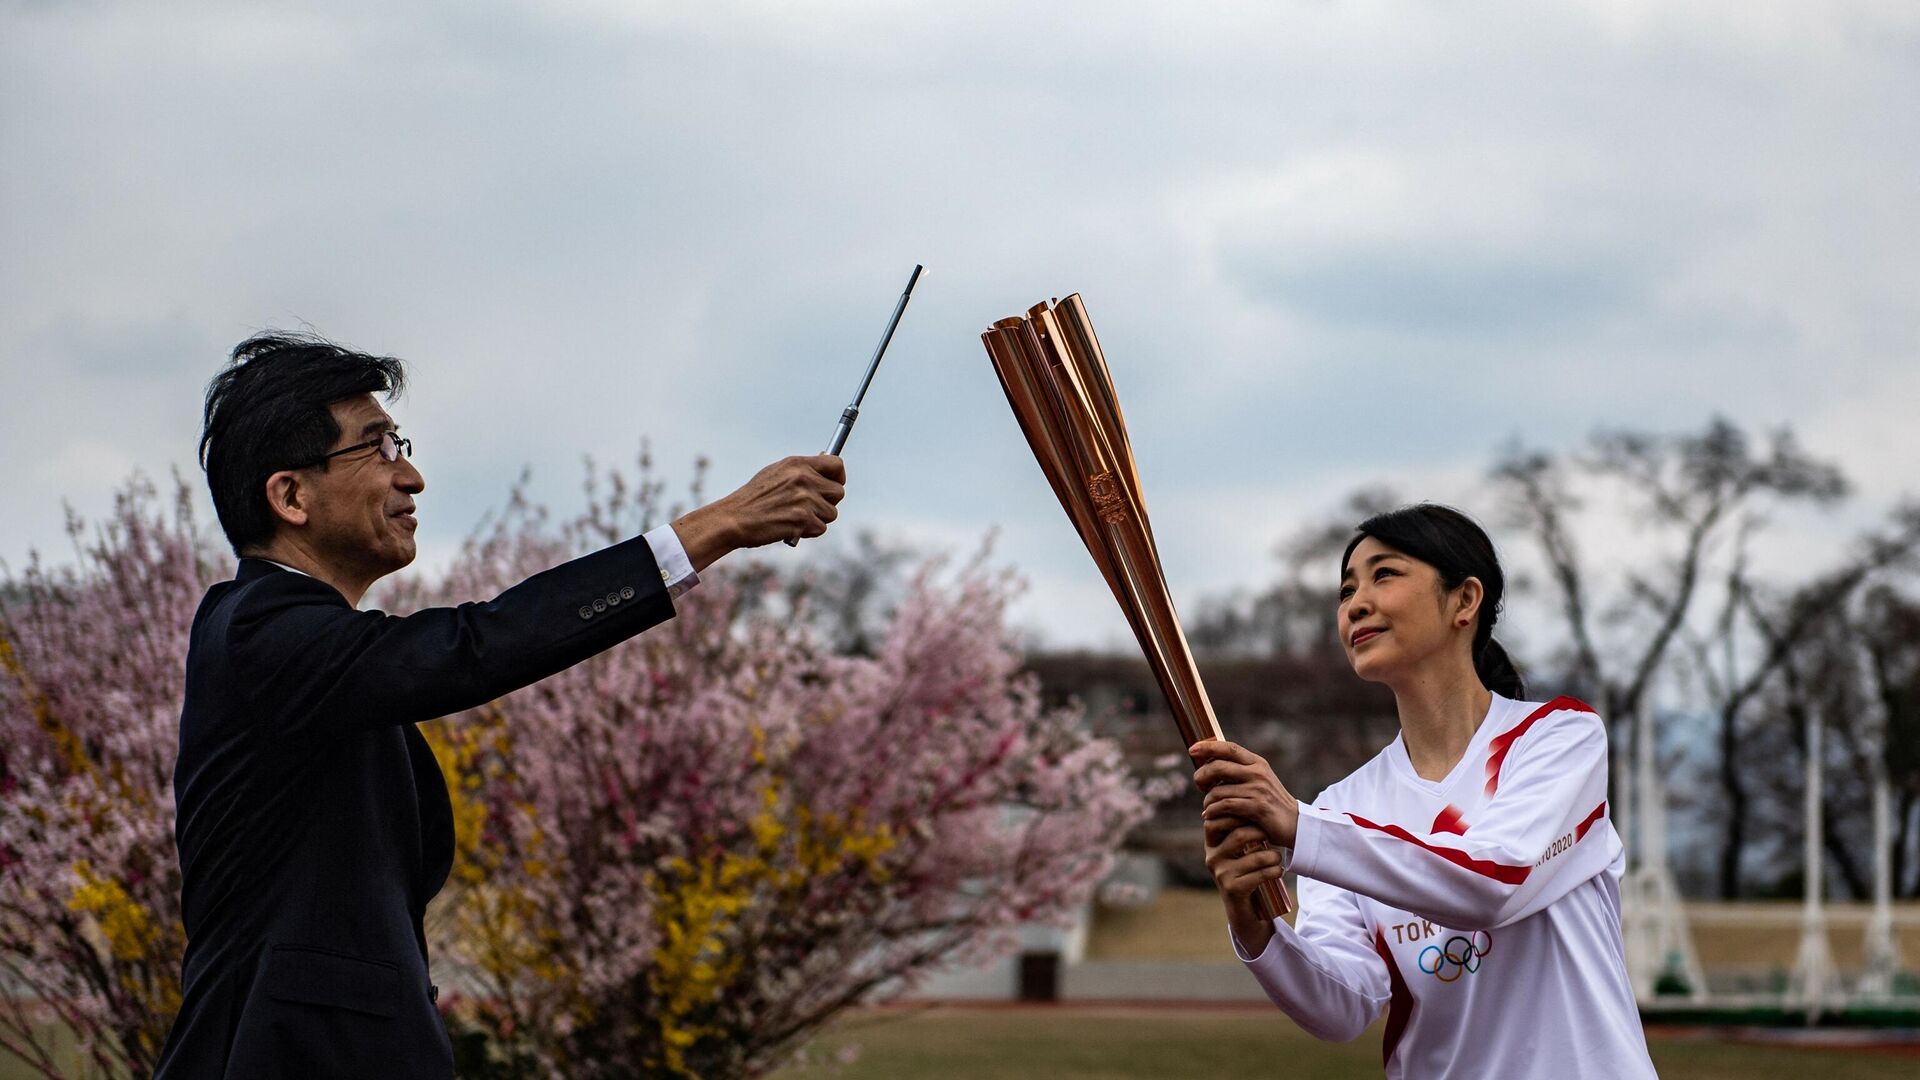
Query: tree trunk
[[1733, 840], [1905, 820], [1843, 860]]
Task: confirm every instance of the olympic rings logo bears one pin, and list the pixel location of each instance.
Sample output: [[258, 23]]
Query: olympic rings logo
[[1461, 955]]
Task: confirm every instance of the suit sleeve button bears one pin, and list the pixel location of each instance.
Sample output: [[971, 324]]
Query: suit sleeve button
[[613, 598], [626, 592], [599, 604], [586, 612]]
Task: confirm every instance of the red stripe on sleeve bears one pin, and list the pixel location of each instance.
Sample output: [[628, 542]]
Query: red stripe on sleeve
[[1501, 872], [1497, 749], [1599, 812]]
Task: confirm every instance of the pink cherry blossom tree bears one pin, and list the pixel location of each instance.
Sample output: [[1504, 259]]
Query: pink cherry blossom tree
[[91, 679], [687, 854]]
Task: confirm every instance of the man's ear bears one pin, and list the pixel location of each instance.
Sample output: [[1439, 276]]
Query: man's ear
[[287, 498]]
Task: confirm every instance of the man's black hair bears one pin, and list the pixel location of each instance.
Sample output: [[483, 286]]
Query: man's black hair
[[268, 410]]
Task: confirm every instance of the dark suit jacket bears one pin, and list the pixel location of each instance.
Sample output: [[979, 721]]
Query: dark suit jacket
[[313, 823]]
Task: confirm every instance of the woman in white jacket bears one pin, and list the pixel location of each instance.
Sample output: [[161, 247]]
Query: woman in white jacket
[[1466, 880]]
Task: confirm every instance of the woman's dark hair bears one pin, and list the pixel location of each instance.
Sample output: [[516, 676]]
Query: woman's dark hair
[[269, 410], [1450, 542]]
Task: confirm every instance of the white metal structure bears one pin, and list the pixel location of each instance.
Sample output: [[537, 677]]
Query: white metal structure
[[1814, 984], [1880, 951], [1653, 922]]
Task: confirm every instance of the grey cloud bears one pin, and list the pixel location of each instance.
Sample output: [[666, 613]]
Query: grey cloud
[[153, 349], [1459, 291], [590, 224]]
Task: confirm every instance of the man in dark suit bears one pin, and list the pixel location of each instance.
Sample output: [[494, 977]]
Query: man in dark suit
[[313, 823]]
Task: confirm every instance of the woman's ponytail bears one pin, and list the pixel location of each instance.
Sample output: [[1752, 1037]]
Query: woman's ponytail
[[1497, 672]]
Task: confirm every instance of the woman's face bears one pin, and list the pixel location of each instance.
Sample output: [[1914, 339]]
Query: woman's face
[[1394, 614]]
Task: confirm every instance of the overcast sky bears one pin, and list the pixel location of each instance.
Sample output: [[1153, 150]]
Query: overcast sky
[[1324, 244]]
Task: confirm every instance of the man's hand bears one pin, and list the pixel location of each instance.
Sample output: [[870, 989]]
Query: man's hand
[[792, 497]]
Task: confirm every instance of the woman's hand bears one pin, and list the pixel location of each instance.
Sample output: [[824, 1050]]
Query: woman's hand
[[1240, 863], [1240, 784], [1246, 807]]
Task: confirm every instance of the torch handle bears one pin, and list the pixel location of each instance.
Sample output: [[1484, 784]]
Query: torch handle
[[1271, 899]]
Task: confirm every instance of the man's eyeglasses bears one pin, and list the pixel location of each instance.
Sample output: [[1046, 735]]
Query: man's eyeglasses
[[389, 444]]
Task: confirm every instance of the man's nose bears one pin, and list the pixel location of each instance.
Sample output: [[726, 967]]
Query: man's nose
[[408, 478]]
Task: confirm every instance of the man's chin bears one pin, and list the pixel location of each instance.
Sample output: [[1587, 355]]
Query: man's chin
[[400, 555]]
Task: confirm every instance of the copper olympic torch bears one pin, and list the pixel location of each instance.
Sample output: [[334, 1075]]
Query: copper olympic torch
[[1056, 379]]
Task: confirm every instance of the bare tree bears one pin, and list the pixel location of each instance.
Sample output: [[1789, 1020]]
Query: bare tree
[[847, 596], [1692, 493], [1295, 615], [1893, 658], [851, 593], [1818, 624]]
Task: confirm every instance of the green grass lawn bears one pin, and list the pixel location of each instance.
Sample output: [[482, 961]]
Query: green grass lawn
[[1123, 1043], [1091, 1043]]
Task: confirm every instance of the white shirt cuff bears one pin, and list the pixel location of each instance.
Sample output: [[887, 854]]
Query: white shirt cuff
[[676, 570], [1306, 840], [1282, 935]]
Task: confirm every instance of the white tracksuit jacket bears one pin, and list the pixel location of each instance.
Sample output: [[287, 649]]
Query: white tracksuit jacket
[[1481, 912]]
